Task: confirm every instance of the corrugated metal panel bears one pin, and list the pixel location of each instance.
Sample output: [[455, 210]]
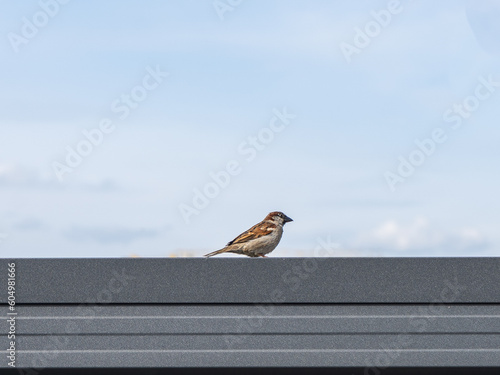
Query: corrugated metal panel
[[253, 335], [258, 319], [247, 280], [447, 330]]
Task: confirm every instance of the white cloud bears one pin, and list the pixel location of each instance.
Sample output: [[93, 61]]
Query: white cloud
[[420, 236]]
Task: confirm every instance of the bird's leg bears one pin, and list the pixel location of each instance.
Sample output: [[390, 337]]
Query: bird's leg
[[262, 255]]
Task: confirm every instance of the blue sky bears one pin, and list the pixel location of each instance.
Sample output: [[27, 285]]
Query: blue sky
[[199, 86]]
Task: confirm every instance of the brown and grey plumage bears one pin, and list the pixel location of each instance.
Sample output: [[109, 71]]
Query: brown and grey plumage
[[260, 239]]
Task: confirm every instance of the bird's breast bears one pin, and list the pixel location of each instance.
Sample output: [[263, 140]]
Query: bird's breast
[[267, 243]]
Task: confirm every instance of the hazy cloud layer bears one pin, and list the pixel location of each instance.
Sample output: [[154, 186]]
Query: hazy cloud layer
[[28, 225], [105, 236]]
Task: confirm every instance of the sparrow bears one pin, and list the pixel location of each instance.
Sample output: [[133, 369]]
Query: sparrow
[[260, 239]]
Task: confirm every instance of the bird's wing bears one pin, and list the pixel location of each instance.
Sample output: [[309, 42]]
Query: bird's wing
[[258, 230]]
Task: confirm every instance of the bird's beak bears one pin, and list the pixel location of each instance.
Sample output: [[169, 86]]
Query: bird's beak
[[287, 219]]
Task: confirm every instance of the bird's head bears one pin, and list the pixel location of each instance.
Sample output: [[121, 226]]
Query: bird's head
[[278, 217]]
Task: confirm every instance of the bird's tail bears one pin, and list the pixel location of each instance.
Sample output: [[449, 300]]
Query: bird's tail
[[215, 253]]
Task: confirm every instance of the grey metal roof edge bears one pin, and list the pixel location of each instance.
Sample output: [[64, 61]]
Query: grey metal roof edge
[[247, 280]]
